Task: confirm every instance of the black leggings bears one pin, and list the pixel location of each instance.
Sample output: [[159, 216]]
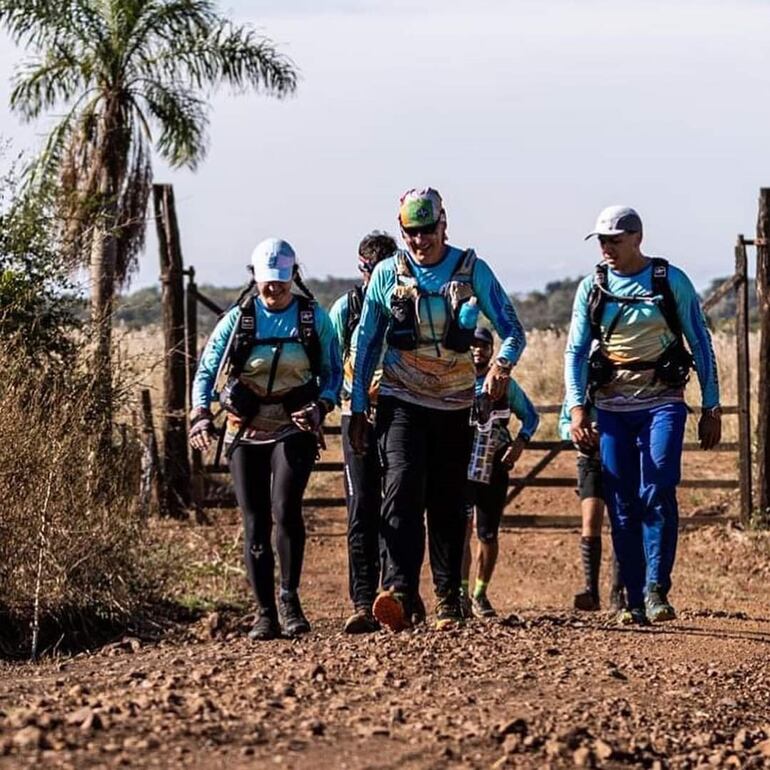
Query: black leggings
[[272, 478]]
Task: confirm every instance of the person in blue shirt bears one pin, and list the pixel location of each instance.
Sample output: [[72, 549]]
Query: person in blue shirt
[[363, 475], [274, 364], [639, 310], [488, 498], [421, 306]]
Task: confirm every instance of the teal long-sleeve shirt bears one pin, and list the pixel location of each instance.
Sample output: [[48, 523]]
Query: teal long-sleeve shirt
[[431, 375], [641, 334]]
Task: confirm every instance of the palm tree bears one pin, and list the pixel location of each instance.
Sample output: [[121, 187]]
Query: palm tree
[[133, 77]]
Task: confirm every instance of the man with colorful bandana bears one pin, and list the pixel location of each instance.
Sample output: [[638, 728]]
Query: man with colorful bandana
[[422, 305]]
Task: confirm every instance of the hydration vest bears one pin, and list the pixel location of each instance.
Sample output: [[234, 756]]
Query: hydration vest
[[673, 365], [404, 328], [355, 306]]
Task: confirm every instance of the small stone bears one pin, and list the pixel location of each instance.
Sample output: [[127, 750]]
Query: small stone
[[583, 757], [517, 726], [763, 748], [80, 716], [603, 750], [30, 737], [247, 751]]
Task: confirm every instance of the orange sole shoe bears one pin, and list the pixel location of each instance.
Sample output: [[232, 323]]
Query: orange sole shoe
[[389, 611]]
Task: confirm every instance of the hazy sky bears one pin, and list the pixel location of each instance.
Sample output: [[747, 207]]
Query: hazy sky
[[528, 117]]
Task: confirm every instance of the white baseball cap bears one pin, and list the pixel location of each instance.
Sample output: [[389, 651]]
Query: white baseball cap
[[616, 220], [273, 260]]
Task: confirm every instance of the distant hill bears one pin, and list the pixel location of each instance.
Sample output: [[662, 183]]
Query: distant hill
[[550, 308]]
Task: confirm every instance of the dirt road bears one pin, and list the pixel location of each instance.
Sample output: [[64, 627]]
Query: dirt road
[[539, 687]]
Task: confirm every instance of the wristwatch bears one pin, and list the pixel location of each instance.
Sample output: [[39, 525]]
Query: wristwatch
[[712, 411], [504, 364]]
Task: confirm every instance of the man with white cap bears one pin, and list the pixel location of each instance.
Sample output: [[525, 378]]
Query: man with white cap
[[422, 305], [274, 364], [626, 355]]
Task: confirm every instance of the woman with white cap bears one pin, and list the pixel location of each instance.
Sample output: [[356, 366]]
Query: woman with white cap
[[274, 362]]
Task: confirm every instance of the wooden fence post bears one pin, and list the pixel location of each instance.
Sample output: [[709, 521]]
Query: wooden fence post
[[191, 342], [150, 462], [744, 380], [176, 464], [763, 415]]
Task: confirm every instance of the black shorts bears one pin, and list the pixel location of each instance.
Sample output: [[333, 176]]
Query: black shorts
[[589, 475], [489, 500]]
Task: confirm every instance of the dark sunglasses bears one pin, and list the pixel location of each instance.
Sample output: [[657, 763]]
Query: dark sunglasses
[[421, 229]]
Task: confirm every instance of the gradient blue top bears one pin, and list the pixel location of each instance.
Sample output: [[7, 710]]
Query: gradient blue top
[[293, 368], [641, 334], [431, 375]]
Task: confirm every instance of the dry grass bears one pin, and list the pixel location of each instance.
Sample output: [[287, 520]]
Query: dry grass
[[72, 552]]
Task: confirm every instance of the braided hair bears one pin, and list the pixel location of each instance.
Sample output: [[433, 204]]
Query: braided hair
[[301, 285]]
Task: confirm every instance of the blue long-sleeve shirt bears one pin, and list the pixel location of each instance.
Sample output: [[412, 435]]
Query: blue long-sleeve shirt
[[431, 375], [641, 335], [293, 369]]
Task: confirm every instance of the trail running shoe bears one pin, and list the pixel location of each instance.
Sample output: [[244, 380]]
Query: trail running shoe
[[466, 610], [390, 610], [586, 601], [418, 612], [361, 622], [448, 612], [632, 616], [617, 598], [657, 606], [482, 607], [293, 620], [265, 626]]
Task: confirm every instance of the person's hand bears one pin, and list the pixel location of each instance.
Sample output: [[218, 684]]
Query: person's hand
[[202, 431], [358, 432], [710, 428], [512, 453], [309, 417], [496, 381], [581, 429]]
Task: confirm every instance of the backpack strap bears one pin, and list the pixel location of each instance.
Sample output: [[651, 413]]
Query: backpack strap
[[244, 332], [662, 287], [355, 306], [596, 299], [308, 335], [465, 265]]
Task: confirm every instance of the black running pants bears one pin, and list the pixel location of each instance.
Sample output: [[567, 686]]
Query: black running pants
[[270, 481], [424, 454]]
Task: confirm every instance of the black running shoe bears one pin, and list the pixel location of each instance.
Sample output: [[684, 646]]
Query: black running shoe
[[361, 622], [293, 620], [466, 608], [265, 626], [482, 607], [448, 612], [617, 598], [586, 601]]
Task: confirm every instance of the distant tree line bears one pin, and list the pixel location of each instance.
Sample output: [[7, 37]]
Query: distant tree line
[[547, 309]]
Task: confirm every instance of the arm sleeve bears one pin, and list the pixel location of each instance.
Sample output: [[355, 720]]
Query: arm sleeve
[[211, 359], [338, 315], [523, 408], [330, 379], [370, 333], [498, 308], [697, 335], [578, 347]]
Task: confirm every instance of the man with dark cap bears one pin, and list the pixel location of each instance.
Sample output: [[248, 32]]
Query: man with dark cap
[[493, 456]]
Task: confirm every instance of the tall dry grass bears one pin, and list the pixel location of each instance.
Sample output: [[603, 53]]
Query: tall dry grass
[[73, 559]]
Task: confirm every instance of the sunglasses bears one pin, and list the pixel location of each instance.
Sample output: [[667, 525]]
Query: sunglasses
[[421, 229]]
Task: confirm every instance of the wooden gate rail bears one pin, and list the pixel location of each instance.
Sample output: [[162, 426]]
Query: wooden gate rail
[[533, 478]]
